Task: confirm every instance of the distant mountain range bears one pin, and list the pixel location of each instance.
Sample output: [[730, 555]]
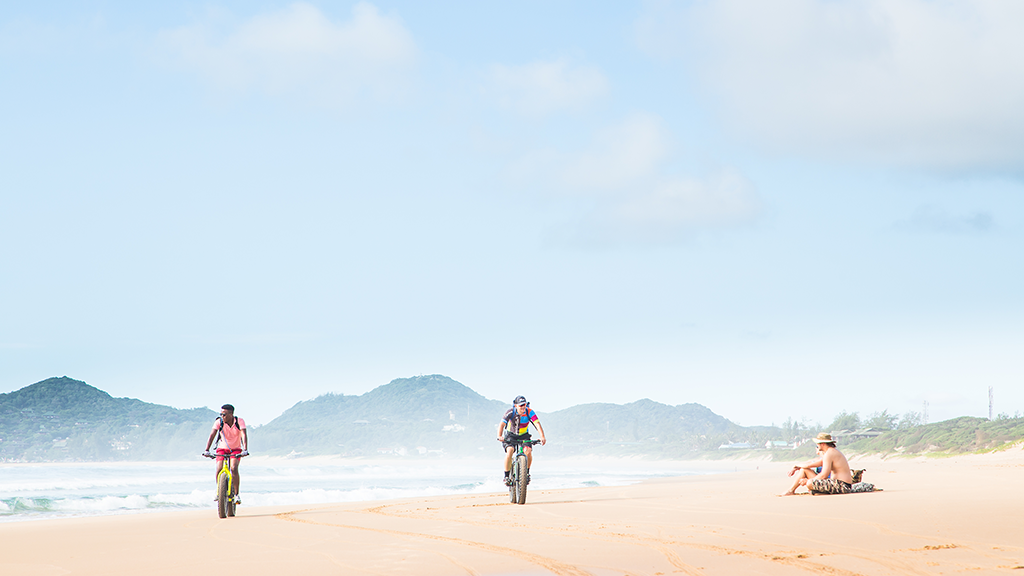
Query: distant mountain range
[[61, 419], [65, 419]]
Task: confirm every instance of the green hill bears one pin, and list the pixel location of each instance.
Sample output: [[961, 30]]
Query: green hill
[[410, 416], [406, 416], [641, 427], [62, 419]]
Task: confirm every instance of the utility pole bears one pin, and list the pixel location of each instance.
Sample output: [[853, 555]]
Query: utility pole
[[989, 402]]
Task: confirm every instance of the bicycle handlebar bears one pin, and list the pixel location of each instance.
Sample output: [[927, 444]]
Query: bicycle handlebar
[[215, 456], [522, 442]]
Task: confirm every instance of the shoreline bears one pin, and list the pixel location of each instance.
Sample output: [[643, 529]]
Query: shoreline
[[708, 460], [57, 491], [930, 519]]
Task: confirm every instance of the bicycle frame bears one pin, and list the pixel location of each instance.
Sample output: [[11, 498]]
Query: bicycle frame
[[225, 491], [226, 469], [518, 473]]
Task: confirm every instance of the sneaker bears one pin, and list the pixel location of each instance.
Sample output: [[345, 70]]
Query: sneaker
[[237, 500], [508, 480], [527, 477]]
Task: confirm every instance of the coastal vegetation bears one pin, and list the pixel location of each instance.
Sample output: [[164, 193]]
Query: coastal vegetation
[[951, 437], [884, 434], [62, 419]]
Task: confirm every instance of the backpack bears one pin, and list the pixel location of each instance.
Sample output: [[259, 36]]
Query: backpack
[[221, 427]]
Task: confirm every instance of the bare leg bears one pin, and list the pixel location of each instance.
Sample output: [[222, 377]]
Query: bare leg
[[508, 458], [799, 478], [528, 450], [236, 478]]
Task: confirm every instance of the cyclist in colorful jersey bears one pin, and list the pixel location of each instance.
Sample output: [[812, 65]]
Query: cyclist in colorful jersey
[[516, 426], [233, 440]]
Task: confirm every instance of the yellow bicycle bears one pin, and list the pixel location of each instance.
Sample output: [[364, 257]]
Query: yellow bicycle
[[226, 497]]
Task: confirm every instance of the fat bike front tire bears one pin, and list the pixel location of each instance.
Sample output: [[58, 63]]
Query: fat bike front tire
[[519, 485], [223, 496]]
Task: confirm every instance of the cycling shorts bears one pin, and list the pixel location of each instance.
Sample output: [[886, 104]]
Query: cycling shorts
[[222, 452], [509, 440]]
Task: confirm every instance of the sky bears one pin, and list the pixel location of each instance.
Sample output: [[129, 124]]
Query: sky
[[777, 210]]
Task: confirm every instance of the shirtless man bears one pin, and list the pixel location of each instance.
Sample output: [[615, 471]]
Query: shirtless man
[[804, 472], [835, 476]]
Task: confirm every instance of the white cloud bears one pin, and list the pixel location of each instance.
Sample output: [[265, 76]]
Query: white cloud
[[936, 220], [913, 82], [625, 192], [723, 198], [23, 37], [540, 88], [299, 50], [253, 339], [619, 156]]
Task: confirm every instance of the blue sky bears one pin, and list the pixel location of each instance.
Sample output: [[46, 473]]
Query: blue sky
[[776, 210]]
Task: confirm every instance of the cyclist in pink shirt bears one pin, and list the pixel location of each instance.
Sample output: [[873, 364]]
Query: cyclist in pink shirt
[[233, 443]]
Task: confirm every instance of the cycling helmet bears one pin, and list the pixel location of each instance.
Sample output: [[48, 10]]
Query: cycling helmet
[[520, 400]]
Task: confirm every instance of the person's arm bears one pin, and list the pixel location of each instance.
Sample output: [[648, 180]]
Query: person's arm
[[245, 440], [826, 467], [501, 430], [806, 465], [209, 441], [543, 440]]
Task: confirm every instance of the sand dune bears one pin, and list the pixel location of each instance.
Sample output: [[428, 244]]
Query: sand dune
[[945, 516]]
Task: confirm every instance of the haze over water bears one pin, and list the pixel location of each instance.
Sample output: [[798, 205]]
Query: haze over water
[[42, 491]]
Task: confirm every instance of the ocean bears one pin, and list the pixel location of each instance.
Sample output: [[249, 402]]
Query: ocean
[[44, 491]]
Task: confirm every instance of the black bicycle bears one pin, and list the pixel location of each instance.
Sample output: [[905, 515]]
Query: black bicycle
[[520, 472]]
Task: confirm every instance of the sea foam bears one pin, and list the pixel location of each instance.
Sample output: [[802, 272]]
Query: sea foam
[[41, 491]]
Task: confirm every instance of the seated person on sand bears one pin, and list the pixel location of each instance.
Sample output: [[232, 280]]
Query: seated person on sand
[[804, 472], [834, 476]]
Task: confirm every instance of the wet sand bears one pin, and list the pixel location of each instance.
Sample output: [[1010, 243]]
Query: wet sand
[[935, 516]]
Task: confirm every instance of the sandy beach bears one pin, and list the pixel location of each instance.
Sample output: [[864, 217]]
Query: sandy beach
[[934, 516]]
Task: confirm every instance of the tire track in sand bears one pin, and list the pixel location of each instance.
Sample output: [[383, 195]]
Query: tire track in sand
[[798, 561], [559, 568]]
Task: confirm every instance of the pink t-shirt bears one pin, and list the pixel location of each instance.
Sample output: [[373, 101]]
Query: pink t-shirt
[[230, 437]]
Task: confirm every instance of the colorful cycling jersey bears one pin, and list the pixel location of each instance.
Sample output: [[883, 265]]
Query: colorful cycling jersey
[[516, 424], [230, 436]]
